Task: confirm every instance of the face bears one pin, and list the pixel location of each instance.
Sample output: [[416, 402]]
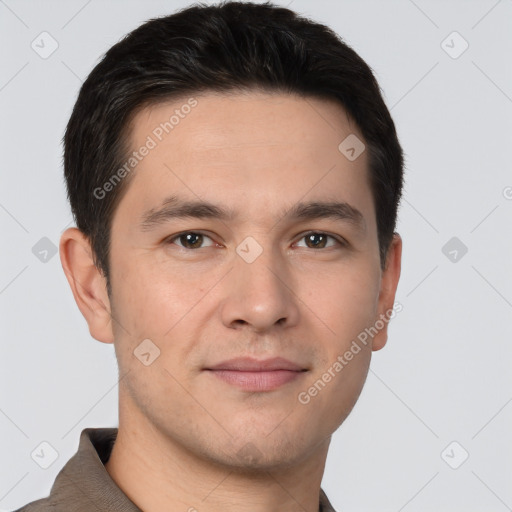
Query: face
[[249, 299]]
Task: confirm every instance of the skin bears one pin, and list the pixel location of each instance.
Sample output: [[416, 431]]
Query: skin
[[181, 429]]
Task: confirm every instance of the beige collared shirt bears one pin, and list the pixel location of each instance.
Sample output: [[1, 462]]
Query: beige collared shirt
[[84, 485]]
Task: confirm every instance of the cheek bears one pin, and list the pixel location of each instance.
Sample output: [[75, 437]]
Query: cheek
[[345, 301], [152, 295], [352, 309]]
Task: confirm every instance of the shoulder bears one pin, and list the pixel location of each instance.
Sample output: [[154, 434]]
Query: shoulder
[[39, 505]]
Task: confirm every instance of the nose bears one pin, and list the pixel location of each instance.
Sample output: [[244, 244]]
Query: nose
[[260, 294]]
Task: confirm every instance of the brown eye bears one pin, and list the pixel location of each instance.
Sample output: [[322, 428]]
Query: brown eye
[[316, 240], [319, 240], [190, 240]]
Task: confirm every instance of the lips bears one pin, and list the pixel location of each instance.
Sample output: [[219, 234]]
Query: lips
[[248, 364], [257, 375]]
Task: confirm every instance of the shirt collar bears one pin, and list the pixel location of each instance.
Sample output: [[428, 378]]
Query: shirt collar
[[84, 484]]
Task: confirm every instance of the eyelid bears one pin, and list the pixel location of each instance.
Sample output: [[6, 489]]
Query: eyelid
[[171, 239], [341, 241]]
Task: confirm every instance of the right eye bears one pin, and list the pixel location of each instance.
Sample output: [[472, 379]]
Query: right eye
[[190, 240]]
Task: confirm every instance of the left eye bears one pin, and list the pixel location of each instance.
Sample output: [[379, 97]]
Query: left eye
[[191, 240], [315, 240]]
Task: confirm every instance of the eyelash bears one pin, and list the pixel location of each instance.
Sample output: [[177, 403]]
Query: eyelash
[[339, 241]]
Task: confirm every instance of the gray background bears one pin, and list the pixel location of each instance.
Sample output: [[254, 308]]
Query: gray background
[[445, 374]]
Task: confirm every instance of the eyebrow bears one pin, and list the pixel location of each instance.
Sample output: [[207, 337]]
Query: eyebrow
[[174, 207]]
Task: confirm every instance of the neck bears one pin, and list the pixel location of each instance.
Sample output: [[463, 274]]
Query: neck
[[157, 473]]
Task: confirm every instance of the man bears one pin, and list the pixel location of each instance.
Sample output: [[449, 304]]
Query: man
[[235, 176]]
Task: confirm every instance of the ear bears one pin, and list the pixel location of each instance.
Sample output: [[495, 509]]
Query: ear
[[388, 285], [87, 283]]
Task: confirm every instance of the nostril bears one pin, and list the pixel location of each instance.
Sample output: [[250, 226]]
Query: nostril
[[241, 322]]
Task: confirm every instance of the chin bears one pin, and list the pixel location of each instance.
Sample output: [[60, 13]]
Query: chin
[[262, 454]]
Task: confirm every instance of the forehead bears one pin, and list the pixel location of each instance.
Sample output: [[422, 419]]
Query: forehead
[[251, 150], [214, 120]]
